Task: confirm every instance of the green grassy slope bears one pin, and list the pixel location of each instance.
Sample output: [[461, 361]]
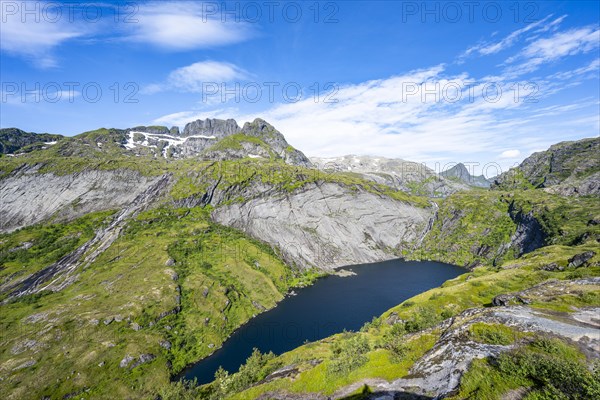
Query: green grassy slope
[[466, 222], [76, 338]]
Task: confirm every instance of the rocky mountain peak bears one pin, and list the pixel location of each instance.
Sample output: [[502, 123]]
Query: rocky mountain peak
[[211, 127], [461, 173]]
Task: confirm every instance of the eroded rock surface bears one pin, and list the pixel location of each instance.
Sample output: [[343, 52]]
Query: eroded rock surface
[[328, 225]]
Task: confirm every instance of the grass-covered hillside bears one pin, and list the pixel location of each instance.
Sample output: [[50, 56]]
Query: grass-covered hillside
[[167, 292], [520, 325], [111, 302], [124, 276]]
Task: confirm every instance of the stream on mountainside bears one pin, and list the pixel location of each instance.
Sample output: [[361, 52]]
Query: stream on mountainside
[[329, 306]]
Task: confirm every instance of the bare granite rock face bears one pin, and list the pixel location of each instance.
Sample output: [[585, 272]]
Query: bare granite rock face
[[328, 225], [28, 197], [211, 127]]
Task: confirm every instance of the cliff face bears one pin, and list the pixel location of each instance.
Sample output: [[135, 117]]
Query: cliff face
[[327, 225], [29, 197]]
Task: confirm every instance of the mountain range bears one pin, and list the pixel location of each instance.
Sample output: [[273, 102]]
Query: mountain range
[[127, 254]]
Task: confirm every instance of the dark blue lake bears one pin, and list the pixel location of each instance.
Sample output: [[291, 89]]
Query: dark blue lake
[[329, 306]]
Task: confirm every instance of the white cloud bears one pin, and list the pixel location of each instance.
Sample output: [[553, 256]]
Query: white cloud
[[545, 50], [488, 48], [378, 117], [33, 37], [592, 67], [172, 26], [181, 26], [191, 77], [194, 77], [510, 154]]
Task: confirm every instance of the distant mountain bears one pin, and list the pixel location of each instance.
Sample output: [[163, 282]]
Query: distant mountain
[[569, 168], [400, 174], [210, 139], [461, 173], [13, 140]]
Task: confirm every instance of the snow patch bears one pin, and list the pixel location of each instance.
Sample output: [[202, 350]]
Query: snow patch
[[171, 140]]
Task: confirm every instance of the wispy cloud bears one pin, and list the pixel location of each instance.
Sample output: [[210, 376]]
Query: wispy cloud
[[550, 49], [32, 37], [168, 26], [181, 26], [183, 117], [194, 77], [490, 47]]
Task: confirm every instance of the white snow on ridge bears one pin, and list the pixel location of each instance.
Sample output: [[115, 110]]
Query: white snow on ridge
[[171, 140], [254, 156], [50, 143]]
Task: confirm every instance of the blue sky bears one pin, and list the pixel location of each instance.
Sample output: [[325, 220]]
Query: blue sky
[[434, 82]]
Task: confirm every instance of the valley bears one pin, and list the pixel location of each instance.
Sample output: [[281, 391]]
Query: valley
[[128, 254]]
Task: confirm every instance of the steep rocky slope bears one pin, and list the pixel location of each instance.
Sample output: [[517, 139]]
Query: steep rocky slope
[[310, 225], [568, 168], [28, 196]]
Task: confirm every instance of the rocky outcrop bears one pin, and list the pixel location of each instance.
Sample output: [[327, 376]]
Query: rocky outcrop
[[28, 197], [211, 127], [327, 225], [261, 129], [569, 168], [529, 234], [580, 259], [215, 139]]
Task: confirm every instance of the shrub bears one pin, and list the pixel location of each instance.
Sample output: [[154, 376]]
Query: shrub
[[423, 318], [491, 334], [348, 355], [251, 372], [554, 376]]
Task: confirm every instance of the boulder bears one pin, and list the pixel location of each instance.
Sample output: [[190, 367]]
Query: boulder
[[502, 300], [165, 344], [580, 259], [143, 359], [126, 361], [552, 267]]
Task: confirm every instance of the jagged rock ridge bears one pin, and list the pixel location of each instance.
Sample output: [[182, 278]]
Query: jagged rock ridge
[[217, 139]]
